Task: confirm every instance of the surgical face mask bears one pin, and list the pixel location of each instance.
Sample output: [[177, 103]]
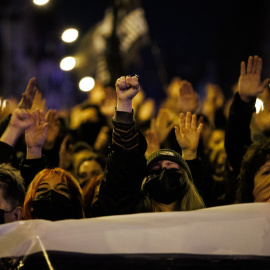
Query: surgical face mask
[[2, 215], [165, 186], [53, 206]]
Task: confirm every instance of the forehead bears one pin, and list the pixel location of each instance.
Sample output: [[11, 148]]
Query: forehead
[[56, 179], [89, 165], [166, 163]]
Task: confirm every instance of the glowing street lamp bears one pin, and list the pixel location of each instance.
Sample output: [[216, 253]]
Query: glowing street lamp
[[40, 2], [86, 84], [70, 35], [68, 63]]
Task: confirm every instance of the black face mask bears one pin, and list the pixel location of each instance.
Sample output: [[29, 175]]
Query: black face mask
[[166, 186], [2, 215], [53, 206]]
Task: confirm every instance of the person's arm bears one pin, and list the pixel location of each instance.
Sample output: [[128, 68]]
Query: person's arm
[[120, 188], [19, 121], [35, 137], [238, 134]]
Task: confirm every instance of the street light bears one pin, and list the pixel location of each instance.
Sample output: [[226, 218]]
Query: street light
[[68, 63], [40, 2], [70, 35], [86, 84]]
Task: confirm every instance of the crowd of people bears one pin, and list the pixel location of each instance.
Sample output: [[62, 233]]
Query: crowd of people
[[121, 153]]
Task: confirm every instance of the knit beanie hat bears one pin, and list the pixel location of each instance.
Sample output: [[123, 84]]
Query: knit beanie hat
[[168, 154]]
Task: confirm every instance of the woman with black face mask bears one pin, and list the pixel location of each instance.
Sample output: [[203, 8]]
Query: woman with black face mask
[[168, 185], [54, 194], [163, 182]]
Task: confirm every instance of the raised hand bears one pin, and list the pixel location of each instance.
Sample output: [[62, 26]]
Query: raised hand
[[20, 120], [29, 95], [249, 83], [152, 142], [38, 102], [188, 98], [163, 124], [127, 88], [188, 135], [53, 128], [65, 154], [35, 135]]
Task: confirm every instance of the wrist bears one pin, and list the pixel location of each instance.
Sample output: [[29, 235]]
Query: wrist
[[33, 152], [124, 105], [246, 99], [189, 154], [11, 135]]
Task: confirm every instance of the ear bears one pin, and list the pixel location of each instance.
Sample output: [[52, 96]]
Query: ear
[[17, 213]]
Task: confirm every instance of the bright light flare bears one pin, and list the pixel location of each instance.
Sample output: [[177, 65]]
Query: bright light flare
[[68, 63], [40, 2], [86, 84], [70, 35], [259, 105]]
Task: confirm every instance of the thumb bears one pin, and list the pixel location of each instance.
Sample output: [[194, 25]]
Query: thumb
[[264, 84]]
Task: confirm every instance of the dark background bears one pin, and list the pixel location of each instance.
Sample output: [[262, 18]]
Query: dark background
[[201, 41]]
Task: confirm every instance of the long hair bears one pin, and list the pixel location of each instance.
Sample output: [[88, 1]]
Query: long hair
[[256, 155], [191, 200], [47, 174], [89, 193]]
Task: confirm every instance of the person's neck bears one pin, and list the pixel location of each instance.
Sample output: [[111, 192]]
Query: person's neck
[[167, 207]]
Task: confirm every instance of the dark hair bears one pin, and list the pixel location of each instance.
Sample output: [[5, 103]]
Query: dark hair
[[80, 146], [97, 157], [256, 155], [12, 185]]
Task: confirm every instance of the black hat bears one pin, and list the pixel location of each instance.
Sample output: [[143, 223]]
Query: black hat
[[168, 154]]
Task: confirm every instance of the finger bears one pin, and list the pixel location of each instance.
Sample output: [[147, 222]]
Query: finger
[[48, 115], [128, 81], [135, 82], [45, 127], [200, 120], [30, 87], [181, 121], [188, 120], [259, 66], [37, 112], [64, 142], [243, 68], [263, 85], [200, 127], [33, 116], [255, 63], [123, 85], [194, 122], [177, 131], [250, 64], [42, 118]]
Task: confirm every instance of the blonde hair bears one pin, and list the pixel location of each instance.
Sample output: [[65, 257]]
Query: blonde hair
[[191, 200]]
